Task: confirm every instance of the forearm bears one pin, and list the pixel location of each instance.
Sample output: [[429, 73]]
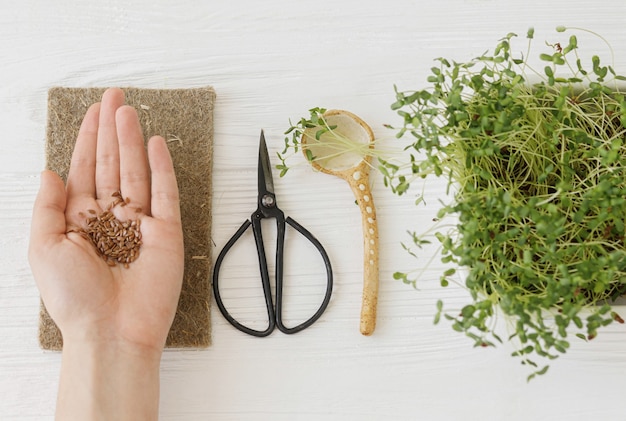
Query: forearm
[[108, 381]]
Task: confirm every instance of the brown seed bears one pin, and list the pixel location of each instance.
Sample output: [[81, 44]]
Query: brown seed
[[114, 240]]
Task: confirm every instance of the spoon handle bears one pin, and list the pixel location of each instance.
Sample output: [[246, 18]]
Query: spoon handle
[[360, 186]]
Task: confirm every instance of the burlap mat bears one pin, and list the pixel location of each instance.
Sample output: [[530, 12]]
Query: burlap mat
[[184, 117]]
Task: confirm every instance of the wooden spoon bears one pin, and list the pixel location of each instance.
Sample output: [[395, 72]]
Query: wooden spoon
[[353, 166]]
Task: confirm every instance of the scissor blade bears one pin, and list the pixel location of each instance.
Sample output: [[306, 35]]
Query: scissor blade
[[266, 182]]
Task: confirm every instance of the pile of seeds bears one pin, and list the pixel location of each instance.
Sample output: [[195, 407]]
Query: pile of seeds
[[115, 241]]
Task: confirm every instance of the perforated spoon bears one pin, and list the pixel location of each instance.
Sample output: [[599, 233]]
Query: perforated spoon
[[353, 166]]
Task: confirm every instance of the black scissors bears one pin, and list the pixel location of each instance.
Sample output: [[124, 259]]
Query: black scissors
[[267, 208]]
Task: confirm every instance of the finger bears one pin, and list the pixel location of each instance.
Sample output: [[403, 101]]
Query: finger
[[165, 197], [82, 173], [48, 211], [107, 151], [134, 169]]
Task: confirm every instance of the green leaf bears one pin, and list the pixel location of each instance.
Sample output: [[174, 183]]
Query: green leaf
[[449, 272], [439, 312], [468, 311], [548, 71], [541, 372], [397, 105], [573, 44]]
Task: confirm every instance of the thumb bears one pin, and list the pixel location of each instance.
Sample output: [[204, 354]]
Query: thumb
[[48, 211]]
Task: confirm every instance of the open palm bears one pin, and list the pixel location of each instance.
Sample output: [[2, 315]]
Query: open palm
[[82, 293]]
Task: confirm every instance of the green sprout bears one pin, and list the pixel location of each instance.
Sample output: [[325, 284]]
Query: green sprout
[[537, 174], [316, 131]]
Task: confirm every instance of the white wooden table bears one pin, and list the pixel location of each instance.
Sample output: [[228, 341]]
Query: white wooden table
[[270, 61]]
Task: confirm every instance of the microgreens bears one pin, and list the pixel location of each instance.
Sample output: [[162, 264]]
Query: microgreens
[[316, 130], [537, 173]]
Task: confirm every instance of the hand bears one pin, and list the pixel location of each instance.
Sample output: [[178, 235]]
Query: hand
[[98, 307]]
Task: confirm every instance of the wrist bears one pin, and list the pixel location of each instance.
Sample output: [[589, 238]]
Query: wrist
[[104, 344], [108, 380]]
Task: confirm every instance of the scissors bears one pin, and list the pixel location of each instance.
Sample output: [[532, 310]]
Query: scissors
[[267, 208]]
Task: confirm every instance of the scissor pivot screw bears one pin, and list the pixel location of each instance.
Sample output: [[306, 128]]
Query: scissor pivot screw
[[268, 201]]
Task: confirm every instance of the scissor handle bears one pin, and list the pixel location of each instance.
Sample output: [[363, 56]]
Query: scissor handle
[[266, 287], [279, 278], [274, 316]]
